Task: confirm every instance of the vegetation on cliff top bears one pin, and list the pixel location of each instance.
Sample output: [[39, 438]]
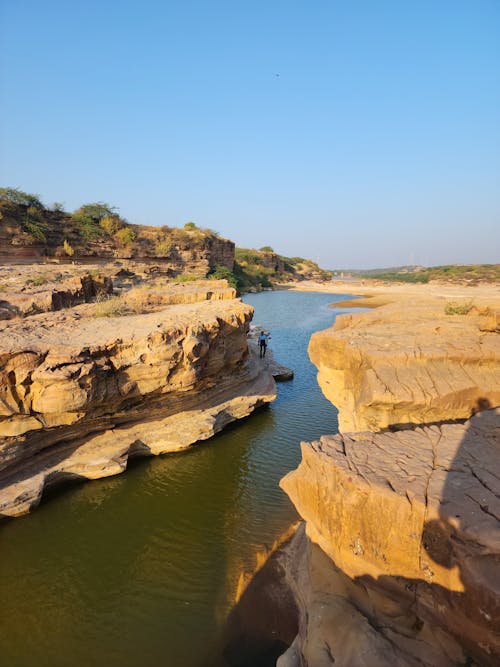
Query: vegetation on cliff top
[[96, 229], [92, 229], [259, 269]]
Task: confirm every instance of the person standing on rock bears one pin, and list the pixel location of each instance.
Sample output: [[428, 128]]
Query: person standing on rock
[[262, 344]]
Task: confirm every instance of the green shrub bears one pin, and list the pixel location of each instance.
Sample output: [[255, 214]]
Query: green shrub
[[37, 281], [95, 211], [247, 255], [266, 248], [185, 278], [220, 272], [190, 225], [36, 230], [15, 196], [454, 308], [163, 248], [110, 224], [87, 227], [251, 276], [88, 217], [401, 277], [34, 224], [125, 236]]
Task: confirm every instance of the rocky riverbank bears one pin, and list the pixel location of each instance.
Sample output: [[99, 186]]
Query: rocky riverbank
[[85, 388], [400, 559]]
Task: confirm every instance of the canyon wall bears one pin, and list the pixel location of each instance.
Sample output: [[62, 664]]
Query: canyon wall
[[28, 235], [80, 394], [405, 500]]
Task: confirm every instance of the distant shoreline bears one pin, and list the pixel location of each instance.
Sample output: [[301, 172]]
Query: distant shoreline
[[375, 295]]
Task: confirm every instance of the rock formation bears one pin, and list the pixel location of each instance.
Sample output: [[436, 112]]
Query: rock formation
[[417, 514], [31, 233], [79, 395], [399, 366], [63, 294], [400, 559], [279, 372]]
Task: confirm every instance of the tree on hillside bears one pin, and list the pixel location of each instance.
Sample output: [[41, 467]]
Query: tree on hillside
[[89, 216], [95, 211], [15, 196], [57, 207], [266, 248]]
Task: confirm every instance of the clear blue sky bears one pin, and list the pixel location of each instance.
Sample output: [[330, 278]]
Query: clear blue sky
[[378, 144]]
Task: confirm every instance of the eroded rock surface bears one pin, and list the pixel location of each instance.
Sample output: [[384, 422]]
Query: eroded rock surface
[[63, 294], [398, 366], [417, 514], [79, 395], [301, 599]]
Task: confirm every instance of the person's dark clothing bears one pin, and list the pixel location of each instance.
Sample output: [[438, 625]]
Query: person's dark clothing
[[262, 345]]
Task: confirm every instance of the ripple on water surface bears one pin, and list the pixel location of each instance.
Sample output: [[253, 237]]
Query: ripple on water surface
[[138, 570]]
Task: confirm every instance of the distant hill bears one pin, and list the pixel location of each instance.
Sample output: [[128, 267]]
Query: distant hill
[[467, 274]]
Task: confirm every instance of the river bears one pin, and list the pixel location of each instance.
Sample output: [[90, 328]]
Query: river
[[139, 570]]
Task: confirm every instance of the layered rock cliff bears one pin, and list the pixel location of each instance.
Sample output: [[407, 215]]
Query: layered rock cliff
[[401, 365], [417, 514], [80, 395], [32, 232], [400, 563]]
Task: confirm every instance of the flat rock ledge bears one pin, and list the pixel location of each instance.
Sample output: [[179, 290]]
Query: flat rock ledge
[[397, 366], [414, 514], [80, 396]]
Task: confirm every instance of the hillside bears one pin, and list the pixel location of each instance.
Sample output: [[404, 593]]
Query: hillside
[[260, 269], [464, 274], [30, 232]]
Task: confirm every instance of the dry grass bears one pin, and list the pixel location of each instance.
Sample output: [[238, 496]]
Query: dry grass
[[113, 306], [455, 308]]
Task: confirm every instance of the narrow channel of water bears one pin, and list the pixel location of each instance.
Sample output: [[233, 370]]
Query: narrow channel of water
[[139, 570]]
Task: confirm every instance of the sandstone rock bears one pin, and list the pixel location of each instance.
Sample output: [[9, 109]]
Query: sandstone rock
[[65, 294], [79, 396], [301, 599], [398, 366], [280, 373], [417, 514], [268, 364]]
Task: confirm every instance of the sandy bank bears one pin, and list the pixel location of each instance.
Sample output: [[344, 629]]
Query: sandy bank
[[376, 294]]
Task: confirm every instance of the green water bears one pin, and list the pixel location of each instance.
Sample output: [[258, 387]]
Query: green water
[[139, 570]]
